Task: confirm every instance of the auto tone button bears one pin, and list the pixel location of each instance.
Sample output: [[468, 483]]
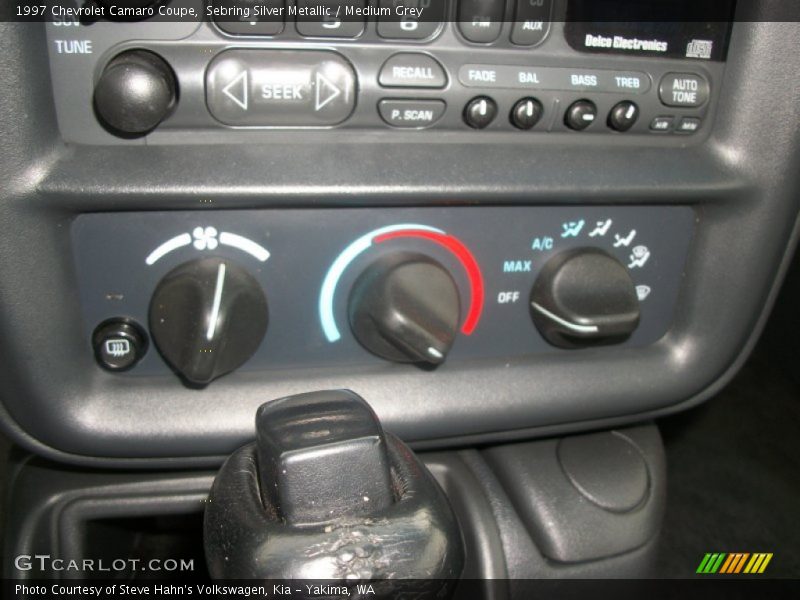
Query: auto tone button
[[688, 90], [274, 88]]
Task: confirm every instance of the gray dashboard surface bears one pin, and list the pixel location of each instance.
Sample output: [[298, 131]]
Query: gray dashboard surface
[[740, 179]]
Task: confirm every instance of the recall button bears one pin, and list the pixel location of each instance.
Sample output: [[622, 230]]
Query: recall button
[[411, 113], [412, 71], [688, 90]]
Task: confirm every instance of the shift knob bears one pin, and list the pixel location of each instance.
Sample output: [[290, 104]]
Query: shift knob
[[326, 494], [322, 456]]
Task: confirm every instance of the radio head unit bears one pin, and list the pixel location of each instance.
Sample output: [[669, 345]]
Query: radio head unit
[[521, 69]]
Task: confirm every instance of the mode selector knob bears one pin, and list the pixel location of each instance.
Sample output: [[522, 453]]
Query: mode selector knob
[[584, 297], [136, 91], [406, 308], [207, 317]]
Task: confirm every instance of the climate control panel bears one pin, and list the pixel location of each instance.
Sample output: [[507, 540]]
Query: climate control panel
[[206, 293]]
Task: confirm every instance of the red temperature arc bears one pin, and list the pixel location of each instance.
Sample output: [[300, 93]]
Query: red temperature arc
[[462, 253]]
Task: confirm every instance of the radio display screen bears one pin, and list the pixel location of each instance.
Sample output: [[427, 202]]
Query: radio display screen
[[696, 29]]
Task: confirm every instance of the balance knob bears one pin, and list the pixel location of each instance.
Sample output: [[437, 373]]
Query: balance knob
[[136, 91], [406, 308], [584, 297], [207, 317]]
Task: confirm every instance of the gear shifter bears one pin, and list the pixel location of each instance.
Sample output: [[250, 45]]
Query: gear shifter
[[325, 494]]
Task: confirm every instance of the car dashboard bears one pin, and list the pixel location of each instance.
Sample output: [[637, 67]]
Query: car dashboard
[[505, 224]]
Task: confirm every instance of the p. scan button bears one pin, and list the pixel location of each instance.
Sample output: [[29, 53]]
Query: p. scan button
[[413, 114], [274, 88]]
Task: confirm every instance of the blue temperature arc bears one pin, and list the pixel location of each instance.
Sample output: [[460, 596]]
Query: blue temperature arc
[[338, 267]]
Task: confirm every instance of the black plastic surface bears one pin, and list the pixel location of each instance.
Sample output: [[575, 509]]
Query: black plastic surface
[[608, 469], [53, 508], [586, 498], [526, 561]]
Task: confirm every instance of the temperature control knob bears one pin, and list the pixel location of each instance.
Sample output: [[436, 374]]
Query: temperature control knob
[[135, 92], [406, 308], [207, 317], [584, 297]]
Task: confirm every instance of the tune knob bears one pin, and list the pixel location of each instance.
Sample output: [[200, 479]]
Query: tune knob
[[207, 317], [135, 92], [406, 308], [584, 297]]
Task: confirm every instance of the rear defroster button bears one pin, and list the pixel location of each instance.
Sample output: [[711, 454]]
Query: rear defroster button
[[118, 344], [273, 88]]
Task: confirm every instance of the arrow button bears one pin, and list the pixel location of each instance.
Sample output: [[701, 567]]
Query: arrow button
[[326, 92], [236, 90]]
